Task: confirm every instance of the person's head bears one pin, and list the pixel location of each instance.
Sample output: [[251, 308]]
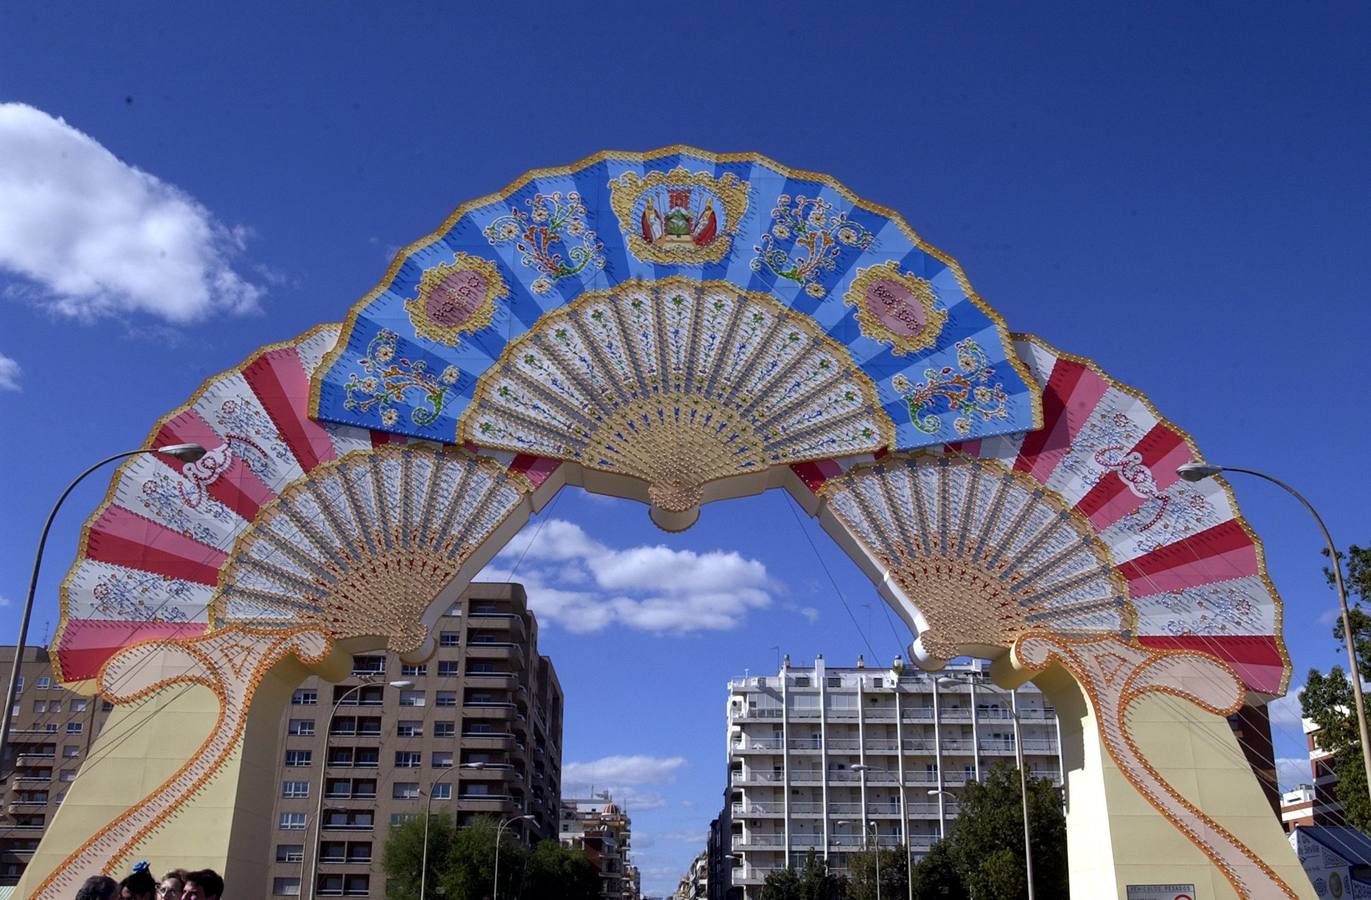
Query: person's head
[[203, 885], [139, 885], [173, 883], [98, 887]]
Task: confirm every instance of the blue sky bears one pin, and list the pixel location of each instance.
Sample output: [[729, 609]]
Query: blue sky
[[1176, 191]]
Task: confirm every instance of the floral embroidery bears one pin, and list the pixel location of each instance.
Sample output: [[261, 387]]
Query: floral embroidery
[[125, 597], [970, 389], [551, 219], [386, 381], [819, 236], [456, 298]]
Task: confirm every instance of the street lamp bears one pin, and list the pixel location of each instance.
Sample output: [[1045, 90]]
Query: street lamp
[[876, 826], [495, 885], [1023, 783], [1197, 471], [428, 815], [183, 452], [323, 776]]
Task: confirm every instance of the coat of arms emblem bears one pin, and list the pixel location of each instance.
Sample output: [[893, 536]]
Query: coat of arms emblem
[[678, 217]]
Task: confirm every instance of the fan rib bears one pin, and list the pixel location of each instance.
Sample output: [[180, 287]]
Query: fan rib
[[314, 486], [1026, 552], [377, 487], [357, 507], [968, 508], [630, 350], [993, 515]]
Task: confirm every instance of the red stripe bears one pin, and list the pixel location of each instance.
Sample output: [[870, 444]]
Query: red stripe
[[969, 448], [381, 438], [1071, 394], [815, 473], [236, 487], [1216, 554], [127, 539], [1256, 658], [280, 383], [1111, 498], [88, 643], [536, 468]]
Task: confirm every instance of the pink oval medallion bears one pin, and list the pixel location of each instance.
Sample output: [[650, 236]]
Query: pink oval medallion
[[896, 306], [453, 302]]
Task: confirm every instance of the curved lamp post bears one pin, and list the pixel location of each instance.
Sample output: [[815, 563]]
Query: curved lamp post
[[1198, 471], [865, 834], [183, 452], [428, 815], [495, 886], [323, 778]]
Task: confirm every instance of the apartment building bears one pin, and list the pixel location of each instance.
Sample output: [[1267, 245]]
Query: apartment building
[[478, 727], [1315, 802], [50, 739], [604, 832], [813, 753]]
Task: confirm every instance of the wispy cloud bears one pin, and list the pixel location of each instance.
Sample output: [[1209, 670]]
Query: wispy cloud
[[4, 601], [585, 586], [623, 777], [1292, 771], [1285, 711], [99, 237], [9, 373]]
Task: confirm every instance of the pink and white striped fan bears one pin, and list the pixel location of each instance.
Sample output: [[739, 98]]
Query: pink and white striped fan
[[150, 558], [1194, 569]]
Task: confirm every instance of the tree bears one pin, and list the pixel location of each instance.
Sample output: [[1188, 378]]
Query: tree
[[403, 852], [557, 871], [935, 876], [1327, 701], [469, 869], [812, 882], [1357, 572], [861, 878], [987, 837]]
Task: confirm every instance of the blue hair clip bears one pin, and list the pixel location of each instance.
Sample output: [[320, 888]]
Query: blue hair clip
[[141, 866]]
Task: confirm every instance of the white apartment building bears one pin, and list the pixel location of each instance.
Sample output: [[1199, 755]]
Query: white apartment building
[[815, 752]]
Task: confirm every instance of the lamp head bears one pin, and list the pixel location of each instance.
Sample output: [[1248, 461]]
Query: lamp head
[[183, 452], [1197, 471], [402, 684]]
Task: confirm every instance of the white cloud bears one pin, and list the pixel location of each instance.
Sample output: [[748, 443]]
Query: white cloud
[[634, 769], [9, 373], [1292, 771], [585, 586], [100, 237], [4, 601], [1285, 711], [1328, 617]]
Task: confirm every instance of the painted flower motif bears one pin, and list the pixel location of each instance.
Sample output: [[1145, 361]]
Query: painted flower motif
[[781, 231], [575, 228], [848, 235], [369, 385], [541, 286], [389, 417], [539, 213], [901, 383], [450, 375], [385, 353], [816, 217], [507, 231], [982, 394], [962, 425], [814, 289]]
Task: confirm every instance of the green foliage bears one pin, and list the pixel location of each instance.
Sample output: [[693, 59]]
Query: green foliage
[[461, 865], [861, 868], [987, 837], [812, 882], [401, 856], [1327, 700], [1356, 563], [935, 876]]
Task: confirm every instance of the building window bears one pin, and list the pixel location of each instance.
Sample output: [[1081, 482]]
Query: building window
[[73, 728], [405, 790], [448, 638], [402, 818], [446, 698], [292, 821], [67, 776], [442, 759], [455, 609], [305, 697], [285, 887], [298, 758], [19, 685], [40, 706], [368, 665], [408, 759], [448, 668], [442, 791], [43, 683], [106, 706], [290, 853], [418, 671], [71, 751], [300, 727], [295, 789], [444, 729], [408, 728], [411, 698], [78, 705]]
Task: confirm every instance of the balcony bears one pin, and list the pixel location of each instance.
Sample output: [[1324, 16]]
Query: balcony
[[487, 740], [495, 650]]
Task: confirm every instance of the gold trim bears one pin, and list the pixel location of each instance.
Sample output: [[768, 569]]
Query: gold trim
[[433, 279], [1279, 630], [350, 321], [625, 190], [920, 290]]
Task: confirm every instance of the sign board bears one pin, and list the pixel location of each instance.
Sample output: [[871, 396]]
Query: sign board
[[1161, 892]]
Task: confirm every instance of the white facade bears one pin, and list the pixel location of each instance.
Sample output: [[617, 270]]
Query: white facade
[[797, 740]]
